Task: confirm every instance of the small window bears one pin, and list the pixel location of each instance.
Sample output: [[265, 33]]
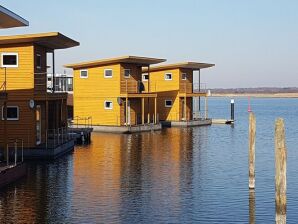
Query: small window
[[145, 77], [108, 73], [126, 73], [84, 74], [9, 60], [108, 105], [168, 103], [12, 113], [38, 61], [168, 76], [183, 76]]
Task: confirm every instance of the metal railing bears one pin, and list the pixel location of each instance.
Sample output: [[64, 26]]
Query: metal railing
[[13, 144], [84, 122], [56, 137]]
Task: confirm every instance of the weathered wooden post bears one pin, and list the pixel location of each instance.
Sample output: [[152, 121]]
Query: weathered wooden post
[[252, 205], [251, 148], [280, 172]]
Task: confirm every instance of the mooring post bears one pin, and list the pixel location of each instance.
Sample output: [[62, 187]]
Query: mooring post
[[232, 109], [252, 148], [252, 205], [280, 172]]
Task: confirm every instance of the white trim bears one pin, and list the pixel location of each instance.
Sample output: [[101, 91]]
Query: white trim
[[182, 76], [168, 101], [168, 73], [84, 77], [143, 79], [104, 73], [9, 66], [11, 119], [108, 108], [127, 69]]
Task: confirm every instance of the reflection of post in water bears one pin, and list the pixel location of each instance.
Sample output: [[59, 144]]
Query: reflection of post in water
[[280, 172], [252, 206]]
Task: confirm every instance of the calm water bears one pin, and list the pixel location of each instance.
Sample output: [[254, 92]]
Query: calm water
[[194, 175]]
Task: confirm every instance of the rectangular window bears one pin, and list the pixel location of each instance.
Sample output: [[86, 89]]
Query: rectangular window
[[83, 74], [183, 76], [38, 61], [168, 76], [168, 103], [9, 60], [108, 105], [145, 77], [108, 73], [12, 113], [126, 73]]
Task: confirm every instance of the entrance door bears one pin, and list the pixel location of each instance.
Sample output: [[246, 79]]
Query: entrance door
[[183, 110], [38, 124]]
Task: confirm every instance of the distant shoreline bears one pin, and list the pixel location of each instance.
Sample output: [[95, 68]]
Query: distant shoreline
[[257, 95]]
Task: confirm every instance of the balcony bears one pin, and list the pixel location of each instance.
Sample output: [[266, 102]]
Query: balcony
[[192, 88]]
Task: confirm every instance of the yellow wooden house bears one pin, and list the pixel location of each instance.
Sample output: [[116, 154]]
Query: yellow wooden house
[[30, 112], [176, 88], [115, 94]]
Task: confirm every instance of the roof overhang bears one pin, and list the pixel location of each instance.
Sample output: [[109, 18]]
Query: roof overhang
[[184, 65], [9, 19], [53, 40], [142, 61]]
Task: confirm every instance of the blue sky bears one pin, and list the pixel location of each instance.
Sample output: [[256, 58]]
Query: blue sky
[[253, 43]]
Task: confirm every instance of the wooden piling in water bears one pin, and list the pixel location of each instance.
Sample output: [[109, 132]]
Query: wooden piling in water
[[251, 148], [252, 207], [280, 172]]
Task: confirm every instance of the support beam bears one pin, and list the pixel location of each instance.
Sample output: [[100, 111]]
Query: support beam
[[185, 114], [126, 111], [199, 90], [155, 110], [206, 107], [143, 110], [53, 70]]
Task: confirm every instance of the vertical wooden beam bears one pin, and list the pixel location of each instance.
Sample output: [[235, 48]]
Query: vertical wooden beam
[[5, 129], [185, 114], [126, 111], [155, 109], [206, 107], [280, 172], [252, 205], [251, 148], [143, 110]]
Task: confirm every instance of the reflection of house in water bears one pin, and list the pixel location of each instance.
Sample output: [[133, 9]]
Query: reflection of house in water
[[33, 114]]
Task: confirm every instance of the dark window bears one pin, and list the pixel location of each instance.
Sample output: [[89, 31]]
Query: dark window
[[12, 113], [38, 61], [9, 60], [168, 103], [126, 73]]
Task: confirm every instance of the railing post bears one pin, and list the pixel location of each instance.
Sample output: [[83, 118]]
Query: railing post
[[47, 139], [7, 151], [54, 137], [22, 150]]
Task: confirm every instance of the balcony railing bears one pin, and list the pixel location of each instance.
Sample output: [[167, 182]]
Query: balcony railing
[[193, 88], [44, 82]]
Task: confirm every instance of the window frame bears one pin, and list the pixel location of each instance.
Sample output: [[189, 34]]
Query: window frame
[[38, 66], [182, 76], [108, 108], [11, 119], [10, 66], [84, 77], [169, 105], [104, 73], [168, 73], [127, 69], [143, 75]]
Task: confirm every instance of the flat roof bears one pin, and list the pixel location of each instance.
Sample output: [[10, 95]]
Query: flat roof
[[188, 65], [9, 19], [143, 61], [52, 40]]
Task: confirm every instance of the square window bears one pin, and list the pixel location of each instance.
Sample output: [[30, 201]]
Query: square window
[[183, 76], [108, 73], [12, 113], [168, 76], [108, 105], [84, 74], [145, 77], [38, 61], [9, 60], [168, 103], [126, 73]]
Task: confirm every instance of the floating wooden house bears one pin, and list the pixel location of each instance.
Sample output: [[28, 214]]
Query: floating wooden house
[[115, 94], [176, 89], [31, 113]]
